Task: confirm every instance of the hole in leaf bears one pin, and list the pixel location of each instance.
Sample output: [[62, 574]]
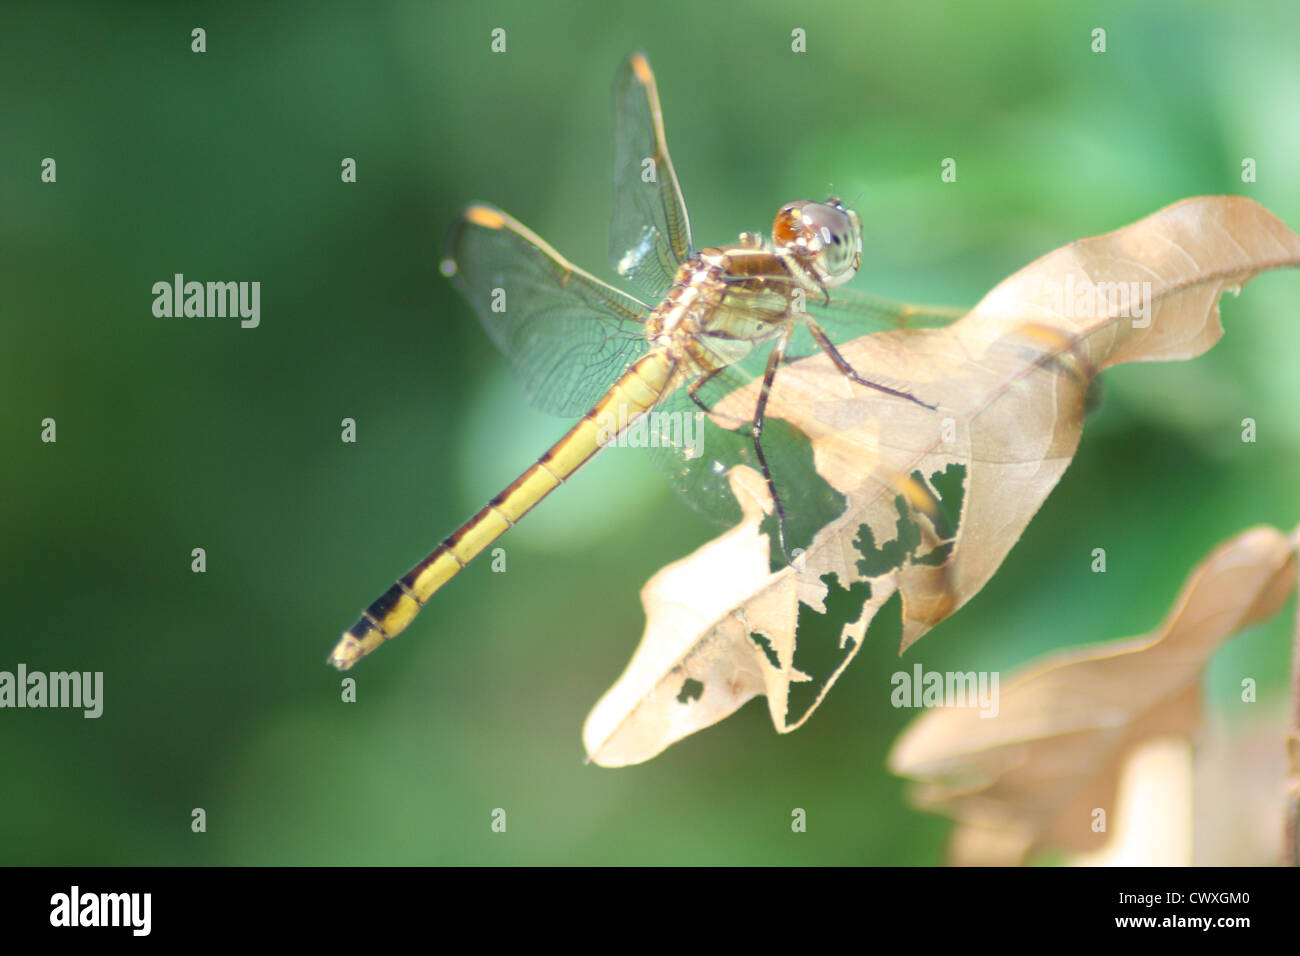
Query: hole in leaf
[[692, 690], [809, 500], [765, 642], [949, 487], [817, 650]]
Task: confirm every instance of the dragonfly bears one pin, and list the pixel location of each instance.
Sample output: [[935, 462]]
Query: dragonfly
[[712, 321]]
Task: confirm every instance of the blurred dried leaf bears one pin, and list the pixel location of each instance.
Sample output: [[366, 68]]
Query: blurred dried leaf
[[1151, 824], [1239, 785], [1034, 775], [936, 499]]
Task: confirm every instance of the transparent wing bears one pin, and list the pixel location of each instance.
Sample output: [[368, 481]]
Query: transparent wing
[[850, 315], [697, 464], [651, 233], [696, 454], [567, 335], [856, 312]]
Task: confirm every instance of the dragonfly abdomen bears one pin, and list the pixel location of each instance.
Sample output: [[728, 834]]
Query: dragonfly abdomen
[[646, 383]]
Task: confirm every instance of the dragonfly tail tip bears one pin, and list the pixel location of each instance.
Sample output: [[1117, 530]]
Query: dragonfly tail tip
[[346, 653]]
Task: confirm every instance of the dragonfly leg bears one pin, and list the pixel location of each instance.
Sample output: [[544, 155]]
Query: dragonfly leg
[[843, 365], [789, 359], [756, 429], [698, 384]]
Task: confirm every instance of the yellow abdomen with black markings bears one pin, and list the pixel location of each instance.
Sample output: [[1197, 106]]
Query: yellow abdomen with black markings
[[645, 384]]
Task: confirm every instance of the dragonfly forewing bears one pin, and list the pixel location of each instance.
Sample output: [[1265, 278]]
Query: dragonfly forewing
[[850, 314], [651, 233]]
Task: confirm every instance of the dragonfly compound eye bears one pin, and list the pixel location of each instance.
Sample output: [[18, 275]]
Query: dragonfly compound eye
[[826, 237]]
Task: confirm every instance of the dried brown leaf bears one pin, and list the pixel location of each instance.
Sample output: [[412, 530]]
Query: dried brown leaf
[[1010, 381]]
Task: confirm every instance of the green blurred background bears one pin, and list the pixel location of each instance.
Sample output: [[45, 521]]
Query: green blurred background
[[183, 433]]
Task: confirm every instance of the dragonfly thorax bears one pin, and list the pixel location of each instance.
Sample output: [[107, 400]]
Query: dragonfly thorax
[[738, 296], [723, 302]]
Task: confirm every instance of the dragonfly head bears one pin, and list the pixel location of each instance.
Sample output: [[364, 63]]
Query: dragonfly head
[[825, 237]]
